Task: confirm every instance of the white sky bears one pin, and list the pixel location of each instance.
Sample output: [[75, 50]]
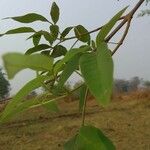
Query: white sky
[[132, 58]]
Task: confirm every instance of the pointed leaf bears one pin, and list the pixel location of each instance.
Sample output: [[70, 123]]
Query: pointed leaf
[[54, 12], [69, 55], [107, 28], [89, 138], [50, 105], [19, 30], [36, 40], [81, 33], [65, 32], [69, 68], [54, 29], [71, 144], [48, 37], [97, 70], [15, 62], [37, 48], [30, 86], [58, 51], [29, 18]]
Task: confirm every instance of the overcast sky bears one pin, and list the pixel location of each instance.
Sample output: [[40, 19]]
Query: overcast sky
[[132, 59]]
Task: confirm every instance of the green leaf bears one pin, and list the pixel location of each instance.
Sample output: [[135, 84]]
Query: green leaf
[[36, 37], [89, 138], [107, 28], [47, 53], [82, 96], [36, 40], [54, 29], [70, 55], [97, 70], [58, 51], [54, 12], [29, 18], [69, 68], [71, 144], [19, 30], [37, 48], [93, 45], [81, 33], [48, 37], [15, 62], [51, 106], [61, 68], [17, 99], [65, 32]]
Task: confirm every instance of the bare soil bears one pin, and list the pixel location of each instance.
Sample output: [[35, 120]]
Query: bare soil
[[126, 123]]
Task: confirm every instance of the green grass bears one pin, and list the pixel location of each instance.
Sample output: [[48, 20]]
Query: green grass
[[126, 123]]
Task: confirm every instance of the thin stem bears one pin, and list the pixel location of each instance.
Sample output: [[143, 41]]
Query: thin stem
[[78, 73], [53, 100], [127, 18], [84, 107], [92, 31], [115, 30], [77, 88], [74, 44], [113, 43], [58, 98], [123, 37], [95, 30]]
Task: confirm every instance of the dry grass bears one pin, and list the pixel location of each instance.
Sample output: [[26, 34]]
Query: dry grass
[[138, 95], [127, 123]]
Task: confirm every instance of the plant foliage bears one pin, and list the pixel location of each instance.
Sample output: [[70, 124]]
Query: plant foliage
[[54, 64]]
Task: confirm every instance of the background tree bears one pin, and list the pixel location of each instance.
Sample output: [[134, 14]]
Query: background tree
[[147, 84], [4, 86], [121, 85], [134, 83]]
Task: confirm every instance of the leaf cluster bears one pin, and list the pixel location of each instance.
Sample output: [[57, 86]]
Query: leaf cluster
[[54, 64]]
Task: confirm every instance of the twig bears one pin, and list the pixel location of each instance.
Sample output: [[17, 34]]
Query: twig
[[74, 44], [92, 31], [126, 19], [112, 43], [84, 107], [78, 73], [123, 37]]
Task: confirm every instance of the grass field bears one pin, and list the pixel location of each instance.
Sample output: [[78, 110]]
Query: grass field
[[127, 123]]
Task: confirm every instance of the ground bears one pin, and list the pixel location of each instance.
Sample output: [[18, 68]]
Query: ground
[[126, 123]]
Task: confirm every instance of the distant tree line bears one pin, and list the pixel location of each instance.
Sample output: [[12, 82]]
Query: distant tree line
[[120, 86], [135, 83]]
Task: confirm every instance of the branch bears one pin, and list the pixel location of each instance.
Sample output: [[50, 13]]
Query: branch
[[123, 37], [127, 19], [92, 31], [74, 37]]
